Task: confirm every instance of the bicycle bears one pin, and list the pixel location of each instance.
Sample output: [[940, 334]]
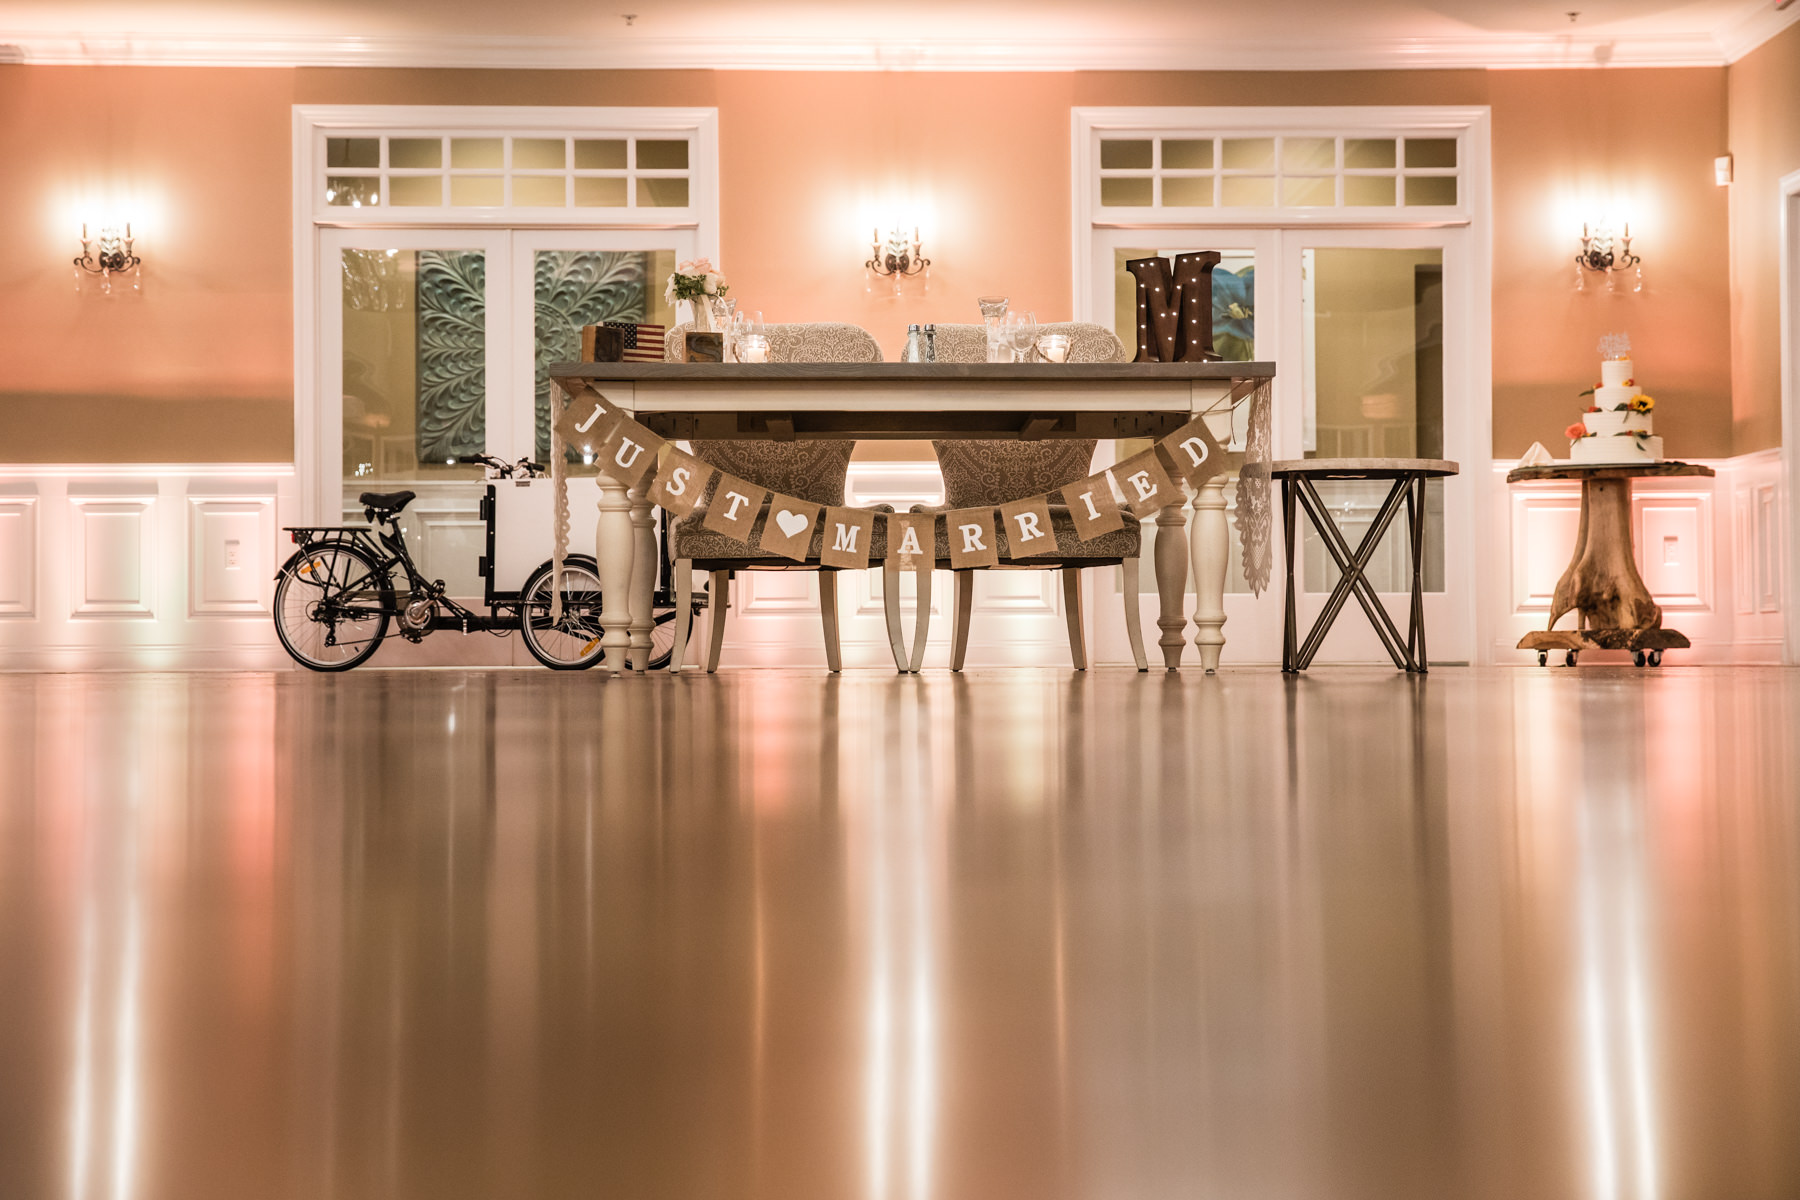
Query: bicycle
[[335, 597]]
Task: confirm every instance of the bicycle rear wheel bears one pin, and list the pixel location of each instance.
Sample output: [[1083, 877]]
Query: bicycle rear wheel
[[572, 643], [331, 607]]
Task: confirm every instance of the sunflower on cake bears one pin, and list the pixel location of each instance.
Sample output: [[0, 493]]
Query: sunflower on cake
[[1616, 426]]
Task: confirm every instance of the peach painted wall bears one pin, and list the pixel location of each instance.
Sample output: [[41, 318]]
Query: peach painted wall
[[200, 367], [1641, 143], [1764, 87]]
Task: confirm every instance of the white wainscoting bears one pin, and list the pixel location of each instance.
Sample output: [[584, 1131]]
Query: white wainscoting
[[134, 566], [141, 565], [1710, 551]]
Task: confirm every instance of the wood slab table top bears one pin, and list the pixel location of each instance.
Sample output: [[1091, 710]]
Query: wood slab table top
[[915, 400], [1605, 471]]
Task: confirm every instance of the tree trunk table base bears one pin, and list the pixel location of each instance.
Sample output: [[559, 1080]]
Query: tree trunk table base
[[1614, 610]]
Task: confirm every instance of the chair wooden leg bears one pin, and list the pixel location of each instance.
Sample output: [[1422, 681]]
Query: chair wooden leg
[[1071, 580], [964, 588], [890, 603], [1134, 621], [718, 599], [828, 608], [921, 614], [684, 612]]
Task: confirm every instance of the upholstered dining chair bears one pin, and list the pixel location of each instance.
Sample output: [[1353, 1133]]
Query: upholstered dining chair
[[811, 470], [981, 473]]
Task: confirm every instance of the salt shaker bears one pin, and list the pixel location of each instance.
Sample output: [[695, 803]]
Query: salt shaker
[[915, 351]]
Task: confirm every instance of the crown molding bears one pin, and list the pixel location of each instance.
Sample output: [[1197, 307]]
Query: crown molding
[[851, 54], [1761, 25]]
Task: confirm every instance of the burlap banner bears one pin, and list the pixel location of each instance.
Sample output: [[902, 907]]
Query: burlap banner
[[910, 537], [972, 540], [1194, 452], [789, 529], [848, 534], [1092, 505], [1027, 525], [632, 454], [680, 481], [734, 507]]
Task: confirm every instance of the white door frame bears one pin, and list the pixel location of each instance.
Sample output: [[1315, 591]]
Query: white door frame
[[1790, 407], [315, 469], [1472, 377]]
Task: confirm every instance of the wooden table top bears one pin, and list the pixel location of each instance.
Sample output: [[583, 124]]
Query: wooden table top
[[1566, 470], [1363, 468], [886, 372]]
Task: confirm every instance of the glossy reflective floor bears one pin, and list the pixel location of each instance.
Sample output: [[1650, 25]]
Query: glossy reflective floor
[[1511, 933]]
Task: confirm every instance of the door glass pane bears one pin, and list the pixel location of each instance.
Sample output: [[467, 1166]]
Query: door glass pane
[[1373, 387], [574, 288], [415, 365]]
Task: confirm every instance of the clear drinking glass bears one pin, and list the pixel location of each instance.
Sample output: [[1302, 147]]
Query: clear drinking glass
[[993, 312]]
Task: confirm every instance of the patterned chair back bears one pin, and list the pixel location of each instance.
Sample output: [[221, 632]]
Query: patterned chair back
[[996, 472], [805, 469], [1088, 342]]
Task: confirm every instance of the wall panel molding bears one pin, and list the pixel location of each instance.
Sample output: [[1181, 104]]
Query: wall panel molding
[[112, 562], [18, 556]]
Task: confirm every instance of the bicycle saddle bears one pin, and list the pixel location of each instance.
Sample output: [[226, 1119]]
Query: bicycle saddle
[[386, 503]]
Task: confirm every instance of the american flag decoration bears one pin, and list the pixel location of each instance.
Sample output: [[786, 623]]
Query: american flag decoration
[[643, 343]]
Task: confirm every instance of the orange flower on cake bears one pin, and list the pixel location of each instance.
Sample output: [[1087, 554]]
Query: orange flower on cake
[[1575, 432]]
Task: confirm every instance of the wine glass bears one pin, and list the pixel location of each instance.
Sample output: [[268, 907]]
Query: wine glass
[[1021, 335]]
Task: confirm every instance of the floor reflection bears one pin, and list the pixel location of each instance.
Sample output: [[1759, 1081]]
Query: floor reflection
[[771, 934]]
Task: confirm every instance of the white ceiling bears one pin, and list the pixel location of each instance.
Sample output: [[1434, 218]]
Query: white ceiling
[[894, 34]]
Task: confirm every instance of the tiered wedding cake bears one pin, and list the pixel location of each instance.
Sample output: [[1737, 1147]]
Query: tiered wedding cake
[[1616, 429]]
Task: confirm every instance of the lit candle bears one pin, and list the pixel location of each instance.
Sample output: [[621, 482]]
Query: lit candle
[[753, 348]]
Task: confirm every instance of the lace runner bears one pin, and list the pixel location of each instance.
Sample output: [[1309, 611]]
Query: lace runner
[[559, 483], [1255, 509]]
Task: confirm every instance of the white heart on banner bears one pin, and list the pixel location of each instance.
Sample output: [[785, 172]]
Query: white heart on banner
[[792, 523]]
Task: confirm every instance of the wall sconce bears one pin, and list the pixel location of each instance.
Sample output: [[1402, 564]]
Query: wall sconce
[[1610, 255], [898, 257], [105, 256]]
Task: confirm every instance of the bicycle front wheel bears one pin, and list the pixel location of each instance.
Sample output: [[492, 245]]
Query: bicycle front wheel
[[331, 607], [573, 642]]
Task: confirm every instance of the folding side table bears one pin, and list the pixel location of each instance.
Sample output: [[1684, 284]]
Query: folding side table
[[1408, 475]]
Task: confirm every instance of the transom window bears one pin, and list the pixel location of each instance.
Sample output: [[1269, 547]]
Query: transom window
[[551, 170], [1206, 169]]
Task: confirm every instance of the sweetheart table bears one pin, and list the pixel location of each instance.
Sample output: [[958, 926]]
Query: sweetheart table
[[916, 401]]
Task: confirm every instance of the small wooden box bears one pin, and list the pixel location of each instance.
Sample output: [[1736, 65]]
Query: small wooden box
[[705, 347], [600, 343]]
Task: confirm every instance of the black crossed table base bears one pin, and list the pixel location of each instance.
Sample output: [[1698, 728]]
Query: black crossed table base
[[1408, 491]]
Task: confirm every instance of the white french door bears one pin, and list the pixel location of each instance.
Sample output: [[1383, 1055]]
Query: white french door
[[1368, 329], [433, 345]]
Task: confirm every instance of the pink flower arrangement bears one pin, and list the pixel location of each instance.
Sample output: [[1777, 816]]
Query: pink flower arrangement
[[693, 279]]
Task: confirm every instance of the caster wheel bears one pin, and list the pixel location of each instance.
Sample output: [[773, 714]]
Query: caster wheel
[[1640, 658], [1569, 659], [1656, 658], [1543, 658]]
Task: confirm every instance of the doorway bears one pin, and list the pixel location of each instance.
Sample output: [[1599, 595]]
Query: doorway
[[1364, 326], [435, 346]]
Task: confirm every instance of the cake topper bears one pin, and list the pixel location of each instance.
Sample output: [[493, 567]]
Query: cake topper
[[1615, 345]]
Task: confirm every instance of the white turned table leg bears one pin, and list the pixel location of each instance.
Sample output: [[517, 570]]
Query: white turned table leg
[[1171, 582], [643, 578], [613, 554], [1211, 539]]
